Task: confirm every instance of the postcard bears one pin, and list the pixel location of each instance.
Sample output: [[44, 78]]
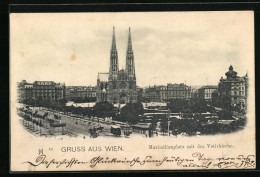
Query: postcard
[[104, 91]]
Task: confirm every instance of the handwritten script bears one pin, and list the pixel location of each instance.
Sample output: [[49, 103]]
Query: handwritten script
[[196, 161]]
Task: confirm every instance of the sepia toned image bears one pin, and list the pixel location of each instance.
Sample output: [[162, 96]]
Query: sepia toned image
[[132, 91]]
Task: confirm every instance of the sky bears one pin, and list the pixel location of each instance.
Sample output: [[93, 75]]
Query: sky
[[195, 48]]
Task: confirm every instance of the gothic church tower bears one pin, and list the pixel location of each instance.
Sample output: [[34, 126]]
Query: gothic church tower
[[113, 70], [130, 65], [118, 86]]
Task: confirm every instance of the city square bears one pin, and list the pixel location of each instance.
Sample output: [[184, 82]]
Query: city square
[[117, 106]]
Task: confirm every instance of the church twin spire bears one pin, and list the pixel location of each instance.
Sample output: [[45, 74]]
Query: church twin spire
[[113, 70], [113, 40], [129, 47], [130, 66]]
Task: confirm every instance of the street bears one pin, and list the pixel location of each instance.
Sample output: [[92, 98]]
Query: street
[[75, 126]]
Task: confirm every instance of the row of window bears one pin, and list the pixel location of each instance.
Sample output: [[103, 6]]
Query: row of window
[[241, 83], [238, 88], [207, 95], [178, 93], [209, 90], [239, 93], [52, 97]]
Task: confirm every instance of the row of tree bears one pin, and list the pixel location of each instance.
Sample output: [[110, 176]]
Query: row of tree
[[192, 126], [188, 106], [84, 100], [130, 113]]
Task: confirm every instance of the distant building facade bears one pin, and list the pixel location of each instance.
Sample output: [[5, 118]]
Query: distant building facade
[[152, 94], [178, 91], [80, 92], [118, 86], [24, 90], [40, 90], [171, 91], [140, 93], [233, 89], [205, 92], [163, 91]]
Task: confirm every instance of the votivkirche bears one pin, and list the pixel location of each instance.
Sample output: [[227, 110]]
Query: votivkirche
[[118, 86]]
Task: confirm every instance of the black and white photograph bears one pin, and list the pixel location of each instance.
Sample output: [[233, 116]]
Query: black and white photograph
[[132, 91]]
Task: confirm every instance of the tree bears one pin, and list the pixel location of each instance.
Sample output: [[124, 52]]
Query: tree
[[39, 101], [139, 108], [130, 113], [198, 106], [153, 124], [87, 112], [178, 105], [225, 102], [164, 125], [102, 109], [62, 101], [225, 115], [46, 102]]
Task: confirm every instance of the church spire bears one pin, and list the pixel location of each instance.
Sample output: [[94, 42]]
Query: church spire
[[113, 40], [129, 40], [113, 70], [130, 66]]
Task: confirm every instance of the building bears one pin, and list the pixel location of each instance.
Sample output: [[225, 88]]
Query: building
[[118, 86], [171, 91], [40, 90], [68, 89], [233, 89], [163, 92], [178, 91], [140, 93], [80, 92], [22, 90], [152, 94], [205, 92], [157, 93], [194, 93]]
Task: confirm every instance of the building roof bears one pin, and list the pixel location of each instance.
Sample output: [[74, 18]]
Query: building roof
[[43, 82], [231, 73], [177, 85], [103, 77], [209, 87]]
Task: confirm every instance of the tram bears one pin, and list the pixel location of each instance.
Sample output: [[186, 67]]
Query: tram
[[115, 130]]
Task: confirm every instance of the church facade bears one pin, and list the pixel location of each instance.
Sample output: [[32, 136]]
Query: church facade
[[118, 86]]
